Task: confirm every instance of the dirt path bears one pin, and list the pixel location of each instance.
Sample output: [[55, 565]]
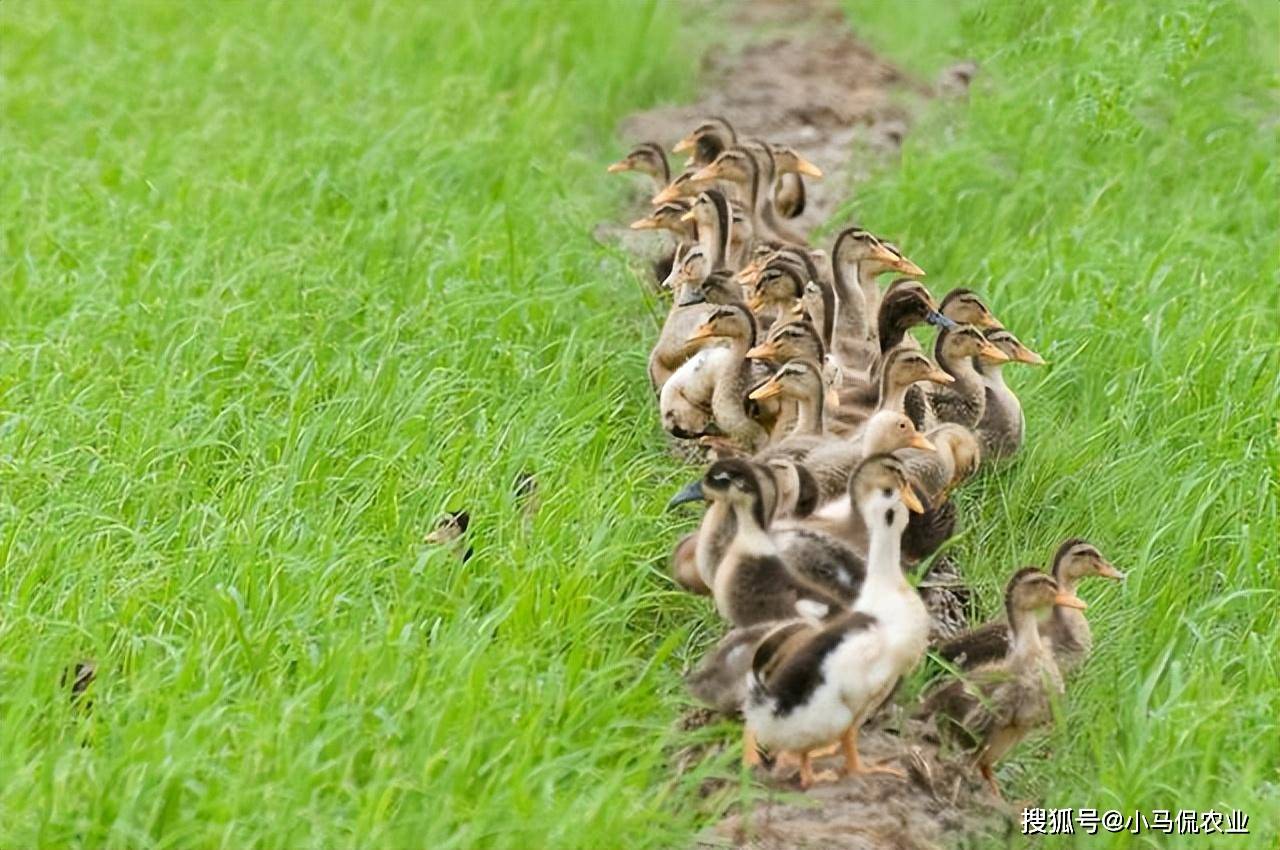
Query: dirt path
[[794, 73]]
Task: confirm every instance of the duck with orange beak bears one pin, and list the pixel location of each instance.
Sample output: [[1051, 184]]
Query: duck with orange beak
[[995, 706], [1003, 423]]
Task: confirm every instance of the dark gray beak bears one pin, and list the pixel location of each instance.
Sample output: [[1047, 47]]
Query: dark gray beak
[[691, 492], [936, 318]]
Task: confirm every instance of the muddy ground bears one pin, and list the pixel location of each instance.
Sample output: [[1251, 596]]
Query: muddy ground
[[794, 73]]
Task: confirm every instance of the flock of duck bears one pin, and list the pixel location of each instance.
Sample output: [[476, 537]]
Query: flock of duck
[[836, 442]]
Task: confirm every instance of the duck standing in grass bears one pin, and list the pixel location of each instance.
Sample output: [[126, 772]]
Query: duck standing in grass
[[999, 703], [812, 685]]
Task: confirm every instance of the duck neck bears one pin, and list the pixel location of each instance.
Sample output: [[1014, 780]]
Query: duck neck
[[867, 274], [893, 394], [884, 555], [1026, 638], [715, 244], [992, 375], [809, 412], [968, 380], [851, 303]]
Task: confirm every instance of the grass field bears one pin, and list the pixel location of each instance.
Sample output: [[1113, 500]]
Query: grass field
[[281, 282]]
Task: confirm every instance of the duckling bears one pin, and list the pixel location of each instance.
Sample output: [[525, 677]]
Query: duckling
[[715, 381], [799, 382], [811, 686], [450, 530], [935, 474], [713, 222], [857, 258], [749, 581], [907, 304], [832, 461], [752, 170], [964, 307], [686, 185], [1003, 422], [964, 400], [707, 141], [789, 196], [1067, 631], [669, 217], [646, 158], [903, 367], [695, 298], [782, 283], [720, 679], [998, 704]]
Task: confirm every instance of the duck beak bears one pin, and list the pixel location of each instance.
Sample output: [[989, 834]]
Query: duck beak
[[691, 492], [988, 322], [687, 216], [938, 320], [686, 144], [763, 351], [646, 223], [620, 165], [1067, 600], [703, 331], [990, 352], [920, 441], [906, 267], [754, 303], [1107, 571], [768, 389], [671, 193], [436, 537], [707, 174], [939, 377], [807, 168], [910, 499], [1026, 355]]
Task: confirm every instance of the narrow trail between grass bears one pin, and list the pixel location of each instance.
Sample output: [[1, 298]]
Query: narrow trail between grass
[[798, 76]]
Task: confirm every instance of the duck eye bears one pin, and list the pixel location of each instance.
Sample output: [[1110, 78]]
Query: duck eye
[[887, 491]]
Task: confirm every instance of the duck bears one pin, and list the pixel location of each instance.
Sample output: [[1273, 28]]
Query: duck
[[954, 459], [710, 388], [695, 297], [719, 681], [858, 258], [752, 170], [813, 684], [783, 283], [737, 559], [645, 158], [450, 530], [966, 307], [670, 217], [707, 141], [903, 367], [964, 400], [1003, 423], [1066, 631], [713, 222], [833, 460], [997, 704]]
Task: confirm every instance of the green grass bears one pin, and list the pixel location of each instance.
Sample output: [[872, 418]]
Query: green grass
[[282, 281], [1112, 187]]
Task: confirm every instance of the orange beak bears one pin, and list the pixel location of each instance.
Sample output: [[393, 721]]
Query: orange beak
[[906, 267], [1067, 600], [755, 303], [620, 165], [910, 499], [769, 389], [703, 331], [1026, 355], [707, 174], [939, 377], [919, 441], [1108, 571], [685, 144], [646, 223], [995, 355], [804, 166], [763, 351], [671, 193]]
